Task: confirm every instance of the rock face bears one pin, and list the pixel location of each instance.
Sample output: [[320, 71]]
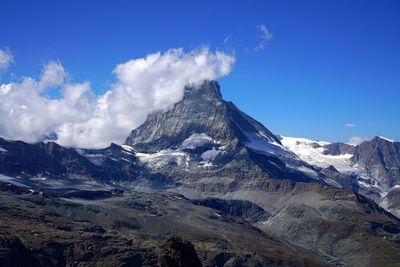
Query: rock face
[[381, 159], [336, 149]]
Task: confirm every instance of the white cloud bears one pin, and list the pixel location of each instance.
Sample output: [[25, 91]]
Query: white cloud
[[265, 37], [350, 125], [6, 58], [356, 140], [53, 74], [81, 119]]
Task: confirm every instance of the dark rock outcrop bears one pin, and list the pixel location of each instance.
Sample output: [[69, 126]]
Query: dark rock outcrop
[[14, 253], [177, 252], [335, 149]]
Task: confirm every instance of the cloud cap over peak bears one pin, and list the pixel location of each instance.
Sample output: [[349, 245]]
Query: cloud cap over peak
[[79, 118]]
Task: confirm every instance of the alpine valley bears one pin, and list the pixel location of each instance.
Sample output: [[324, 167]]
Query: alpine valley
[[201, 184]]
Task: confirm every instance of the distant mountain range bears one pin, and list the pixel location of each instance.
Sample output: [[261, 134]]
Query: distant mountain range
[[371, 168], [323, 203]]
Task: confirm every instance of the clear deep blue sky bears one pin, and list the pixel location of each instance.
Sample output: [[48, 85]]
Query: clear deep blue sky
[[329, 62]]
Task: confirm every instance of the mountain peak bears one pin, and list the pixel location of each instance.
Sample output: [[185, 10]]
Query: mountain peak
[[377, 138], [201, 111], [207, 88]]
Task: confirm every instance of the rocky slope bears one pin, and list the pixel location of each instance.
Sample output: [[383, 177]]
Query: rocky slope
[[133, 229]]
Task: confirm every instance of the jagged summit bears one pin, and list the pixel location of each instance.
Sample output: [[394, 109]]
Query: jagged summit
[[202, 110], [208, 89], [203, 135]]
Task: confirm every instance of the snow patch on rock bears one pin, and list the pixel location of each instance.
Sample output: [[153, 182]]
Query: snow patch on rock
[[163, 158], [196, 140]]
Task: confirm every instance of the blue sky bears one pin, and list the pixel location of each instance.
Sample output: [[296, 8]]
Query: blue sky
[[328, 64]]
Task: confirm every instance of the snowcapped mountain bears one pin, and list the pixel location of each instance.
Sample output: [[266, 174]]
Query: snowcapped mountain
[[205, 151], [204, 147], [205, 136]]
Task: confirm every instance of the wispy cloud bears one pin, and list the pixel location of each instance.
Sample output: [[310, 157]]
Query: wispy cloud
[[79, 118], [356, 140], [6, 58], [350, 125], [227, 39], [265, 36]]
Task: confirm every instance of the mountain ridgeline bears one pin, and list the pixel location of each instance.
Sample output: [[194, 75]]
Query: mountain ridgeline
[[205, 170]]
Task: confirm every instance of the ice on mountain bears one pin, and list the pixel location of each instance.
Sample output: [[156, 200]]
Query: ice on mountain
[[307, 151], [163, 158], [196, 140]]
